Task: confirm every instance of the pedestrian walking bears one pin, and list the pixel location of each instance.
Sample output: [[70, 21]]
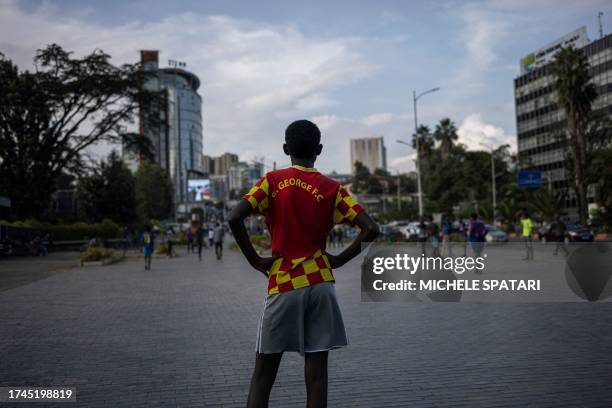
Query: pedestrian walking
[[332, 238], [211, 237], [169, 242], [434, 237], [218, 234], [339, 233], [560, 230], [422, 234], [189, 236], [527, 227], [476, 235], [199, 241], [447, 230], [463, 235], [301, 312], [148, 242]]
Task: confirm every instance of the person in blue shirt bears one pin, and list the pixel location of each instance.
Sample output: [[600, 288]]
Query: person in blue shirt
[[476, 235], [147, 239], [447, 230]]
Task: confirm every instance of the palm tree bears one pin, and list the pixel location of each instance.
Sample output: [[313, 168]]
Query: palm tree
[[426, 142], [575, 93], [446, 134]]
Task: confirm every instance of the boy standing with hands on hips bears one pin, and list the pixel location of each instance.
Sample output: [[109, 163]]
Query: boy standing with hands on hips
[[301, 312]]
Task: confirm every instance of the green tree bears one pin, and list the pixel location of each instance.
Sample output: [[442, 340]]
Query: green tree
[[601, 176], [361, 178], [154, 193], [49, 117], [108, 192], [446, 135], [426, 143], [576, 94]]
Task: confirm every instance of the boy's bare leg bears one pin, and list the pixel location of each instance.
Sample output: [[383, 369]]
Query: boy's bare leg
[[264, 374], [315, 374]]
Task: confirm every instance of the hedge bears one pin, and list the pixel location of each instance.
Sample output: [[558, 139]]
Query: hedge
[[106, 229]]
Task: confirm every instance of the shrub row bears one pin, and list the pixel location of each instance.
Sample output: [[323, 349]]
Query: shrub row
[[106, 229]]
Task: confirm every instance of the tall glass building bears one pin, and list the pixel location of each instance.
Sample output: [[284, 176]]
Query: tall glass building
[[175, 128]]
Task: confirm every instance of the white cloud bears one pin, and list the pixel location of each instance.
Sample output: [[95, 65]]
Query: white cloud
[[378, 119], [403, 163], [255, 77], [478, 135]]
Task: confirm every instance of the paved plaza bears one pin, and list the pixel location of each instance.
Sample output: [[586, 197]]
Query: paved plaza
[[183, 334]]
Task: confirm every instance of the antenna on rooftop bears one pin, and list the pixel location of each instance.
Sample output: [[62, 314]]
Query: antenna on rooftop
[[600, 25]]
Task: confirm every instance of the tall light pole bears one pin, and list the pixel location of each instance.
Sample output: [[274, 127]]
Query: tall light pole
[[399, 204], [494, 194], [418, 151]]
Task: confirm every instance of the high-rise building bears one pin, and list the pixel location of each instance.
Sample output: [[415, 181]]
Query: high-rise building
[[370, 151], [242, 175], [224, 162], [174, 127], [218, 187], [208, 164], [538, 116]]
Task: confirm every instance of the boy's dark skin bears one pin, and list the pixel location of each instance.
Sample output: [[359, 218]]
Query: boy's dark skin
[[315, 364]]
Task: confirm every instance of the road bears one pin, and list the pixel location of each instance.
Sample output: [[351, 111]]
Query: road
[[183, 334]]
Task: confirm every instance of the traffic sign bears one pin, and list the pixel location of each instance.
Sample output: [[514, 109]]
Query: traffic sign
[[530, 179]]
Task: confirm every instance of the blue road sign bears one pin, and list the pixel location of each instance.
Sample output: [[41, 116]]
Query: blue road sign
[[530, 179]]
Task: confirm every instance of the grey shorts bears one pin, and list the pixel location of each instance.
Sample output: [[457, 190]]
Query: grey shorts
[[305, 320]]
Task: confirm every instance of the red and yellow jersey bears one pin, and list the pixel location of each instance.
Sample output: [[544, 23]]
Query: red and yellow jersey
[[301, 206]]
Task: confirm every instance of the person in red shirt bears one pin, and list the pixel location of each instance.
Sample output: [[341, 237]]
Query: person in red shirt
[[301, 311]]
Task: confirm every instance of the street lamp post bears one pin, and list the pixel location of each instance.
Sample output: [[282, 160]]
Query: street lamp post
[[494, 194], [418, 151], [399, 203]]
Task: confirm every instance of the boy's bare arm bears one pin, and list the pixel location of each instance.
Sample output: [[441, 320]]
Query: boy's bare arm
[[369, 232], [236, 222]]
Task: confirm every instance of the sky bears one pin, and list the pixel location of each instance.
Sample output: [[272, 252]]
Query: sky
[[349, 66]]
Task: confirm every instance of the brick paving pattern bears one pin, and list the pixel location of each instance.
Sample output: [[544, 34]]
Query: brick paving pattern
[[183, 335]]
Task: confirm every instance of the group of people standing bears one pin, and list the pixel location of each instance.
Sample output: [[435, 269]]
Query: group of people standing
[[335, 238], [197, 237], [473, 231]]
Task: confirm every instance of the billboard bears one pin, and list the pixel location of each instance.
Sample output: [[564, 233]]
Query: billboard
[[576, 39], [198, 190]]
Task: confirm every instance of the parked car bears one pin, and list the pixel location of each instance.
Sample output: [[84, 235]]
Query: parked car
[[411, 231], [573, 233], [494, 234], [391, 233]]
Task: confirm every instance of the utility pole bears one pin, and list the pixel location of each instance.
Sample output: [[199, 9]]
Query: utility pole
[[415, 98], [493, 185], [493, 192], [600, 24], [418, 153], [399, 203]]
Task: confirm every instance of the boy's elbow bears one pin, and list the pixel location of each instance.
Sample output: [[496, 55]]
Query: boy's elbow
[[373, 232], [234, 219]]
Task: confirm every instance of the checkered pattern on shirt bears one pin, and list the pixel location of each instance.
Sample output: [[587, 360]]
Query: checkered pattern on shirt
[[258, 196], [346, 207], [286, 274]]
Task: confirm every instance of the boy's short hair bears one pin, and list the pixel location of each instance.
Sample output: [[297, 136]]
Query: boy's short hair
[[302, 138]]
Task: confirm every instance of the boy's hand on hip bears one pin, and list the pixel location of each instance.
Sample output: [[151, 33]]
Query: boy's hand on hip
[[264, 264], [334, 260]]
